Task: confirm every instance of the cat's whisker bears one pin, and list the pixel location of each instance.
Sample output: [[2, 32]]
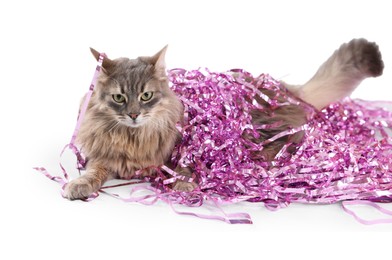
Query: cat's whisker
[[114, 126], [161, 125]]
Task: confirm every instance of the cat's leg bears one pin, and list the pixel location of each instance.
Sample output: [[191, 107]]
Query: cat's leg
[[88, 183], [341, 73], [180, 185]]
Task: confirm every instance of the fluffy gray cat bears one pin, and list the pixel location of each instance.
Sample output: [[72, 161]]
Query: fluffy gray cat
[[130, 121]]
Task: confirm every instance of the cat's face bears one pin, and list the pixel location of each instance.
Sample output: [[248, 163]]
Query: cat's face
[[132, 92], [135, 92]]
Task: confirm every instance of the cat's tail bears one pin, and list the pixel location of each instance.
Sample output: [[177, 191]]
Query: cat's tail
[[341, 73]]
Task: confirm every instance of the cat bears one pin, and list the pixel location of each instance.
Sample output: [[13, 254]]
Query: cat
[[130, 123]]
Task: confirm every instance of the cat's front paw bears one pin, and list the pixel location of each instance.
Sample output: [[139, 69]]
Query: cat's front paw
[[80, 188], [180, 185]]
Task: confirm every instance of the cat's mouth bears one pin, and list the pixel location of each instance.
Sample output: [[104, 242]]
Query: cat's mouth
[[134, 123]]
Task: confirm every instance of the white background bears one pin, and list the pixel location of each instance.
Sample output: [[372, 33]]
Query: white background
[[46, 66]]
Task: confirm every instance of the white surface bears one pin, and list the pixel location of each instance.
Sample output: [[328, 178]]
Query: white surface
[[46, 67]]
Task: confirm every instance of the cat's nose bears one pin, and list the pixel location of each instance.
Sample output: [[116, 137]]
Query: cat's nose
[[134, 115]]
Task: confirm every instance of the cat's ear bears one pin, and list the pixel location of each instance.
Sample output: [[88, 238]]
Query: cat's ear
[[158, 60], [107, 63]]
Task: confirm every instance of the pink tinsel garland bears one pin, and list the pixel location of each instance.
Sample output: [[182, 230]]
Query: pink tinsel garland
[[345, 154]]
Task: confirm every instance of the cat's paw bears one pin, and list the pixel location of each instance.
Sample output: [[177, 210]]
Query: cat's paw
[[180, 185], [366, 57], [80, 188]]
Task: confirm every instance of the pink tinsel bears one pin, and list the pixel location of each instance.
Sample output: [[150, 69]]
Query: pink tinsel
[[345, 155]]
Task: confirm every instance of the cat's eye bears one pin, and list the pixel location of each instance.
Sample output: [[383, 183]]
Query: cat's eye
[[146, 96], [118, 98]]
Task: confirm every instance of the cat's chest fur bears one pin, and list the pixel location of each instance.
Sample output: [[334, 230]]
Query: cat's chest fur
[[127, 150]]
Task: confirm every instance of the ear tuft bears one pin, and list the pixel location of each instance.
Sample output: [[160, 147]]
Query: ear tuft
[[95, 53], [107, 63], [158, 60]]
